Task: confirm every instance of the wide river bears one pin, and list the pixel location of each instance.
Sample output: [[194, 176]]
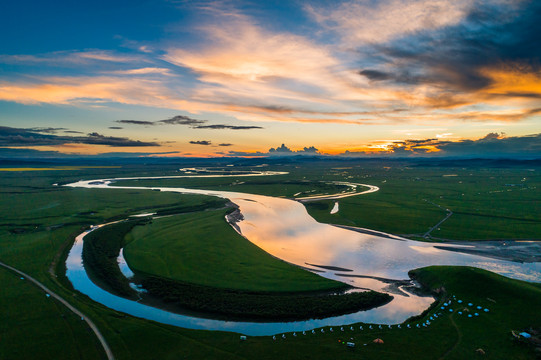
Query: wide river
[[284, 229]]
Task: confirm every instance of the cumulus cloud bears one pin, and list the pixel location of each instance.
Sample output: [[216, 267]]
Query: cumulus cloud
[[495, 145], [281, 150], [491, 145]]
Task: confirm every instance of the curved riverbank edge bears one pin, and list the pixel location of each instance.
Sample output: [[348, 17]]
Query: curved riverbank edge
[[354, 192], [101, 248], [77, 275], [259, 306], [392, 313]]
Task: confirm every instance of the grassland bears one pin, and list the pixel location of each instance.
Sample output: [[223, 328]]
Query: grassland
[[34, 324], [202, 248], [486, 203], [38, 220], [277, 185], [198, 262]]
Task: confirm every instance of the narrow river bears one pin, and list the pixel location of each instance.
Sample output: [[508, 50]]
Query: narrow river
[[284, 229]]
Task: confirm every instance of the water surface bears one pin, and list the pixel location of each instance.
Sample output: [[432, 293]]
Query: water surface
[[283, 228]]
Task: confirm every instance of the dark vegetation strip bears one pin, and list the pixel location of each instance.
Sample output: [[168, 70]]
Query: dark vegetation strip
[[213, 203], [261, 305], [101, 248]]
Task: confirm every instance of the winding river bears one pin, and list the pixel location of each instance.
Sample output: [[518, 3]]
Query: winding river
[[283, 228]]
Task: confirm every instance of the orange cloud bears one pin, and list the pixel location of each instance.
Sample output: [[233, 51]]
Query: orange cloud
[[514, 81], [87, 89]]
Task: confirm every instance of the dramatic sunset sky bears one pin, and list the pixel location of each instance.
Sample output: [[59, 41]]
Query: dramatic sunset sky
[[233, 78]]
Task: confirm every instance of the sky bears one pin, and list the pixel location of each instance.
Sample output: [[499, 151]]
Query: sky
[[267, 78]]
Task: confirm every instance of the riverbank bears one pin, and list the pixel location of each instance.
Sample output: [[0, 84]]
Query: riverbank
[[260, 306], [33, 324], [268, 289], [282, 228], [202, 248]]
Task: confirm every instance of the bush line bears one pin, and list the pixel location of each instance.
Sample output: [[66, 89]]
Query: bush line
[[260, 305]]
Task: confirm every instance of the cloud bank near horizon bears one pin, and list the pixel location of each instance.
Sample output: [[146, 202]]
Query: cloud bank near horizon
[[16, 137], [493, 145]]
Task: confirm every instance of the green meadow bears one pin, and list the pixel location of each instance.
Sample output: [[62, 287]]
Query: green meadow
[[486, 203], [276, 185], [39, 222], [195, 248]]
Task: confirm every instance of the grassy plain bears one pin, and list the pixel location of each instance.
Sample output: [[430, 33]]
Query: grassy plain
[[202, 248], [276, 185], [486, 203], [189, 259], [38, 220], [33, 324]]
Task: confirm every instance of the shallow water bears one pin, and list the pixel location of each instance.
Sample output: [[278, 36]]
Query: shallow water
[[284, 229], [123, 265]]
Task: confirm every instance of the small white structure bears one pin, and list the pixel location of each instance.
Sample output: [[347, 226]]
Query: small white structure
[[243, 337]]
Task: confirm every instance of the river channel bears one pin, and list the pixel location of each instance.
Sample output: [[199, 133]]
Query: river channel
[[283, 228]]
